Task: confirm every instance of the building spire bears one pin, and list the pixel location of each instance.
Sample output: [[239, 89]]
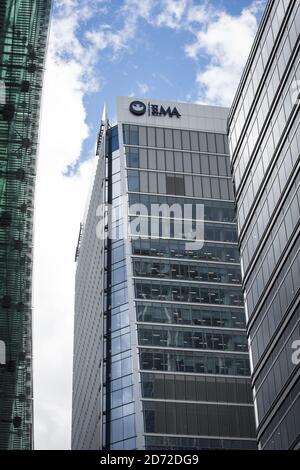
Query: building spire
[[104, 124], [104, 119]]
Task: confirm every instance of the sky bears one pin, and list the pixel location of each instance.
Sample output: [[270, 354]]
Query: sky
[[175, 50]]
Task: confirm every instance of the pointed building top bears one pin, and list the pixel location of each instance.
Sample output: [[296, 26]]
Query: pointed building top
[[104, 114]]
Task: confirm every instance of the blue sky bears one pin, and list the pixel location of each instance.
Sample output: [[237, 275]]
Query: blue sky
[[185, 50], [151, 58]]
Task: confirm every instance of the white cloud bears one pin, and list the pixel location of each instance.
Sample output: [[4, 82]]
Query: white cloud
[[225, 41], [138, 8], [171, 13], [143, 88], [118, 40], [198, 13], [60, 203]]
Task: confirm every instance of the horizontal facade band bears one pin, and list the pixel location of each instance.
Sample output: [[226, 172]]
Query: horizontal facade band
[[179, 281], [193, 436], [197, 402], [192, 374], [183, 259], [206, 352], [196, 327], [192, 304]]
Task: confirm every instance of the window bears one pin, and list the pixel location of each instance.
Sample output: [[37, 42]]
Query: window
[[220, 143], [170, 184], [143, 158], [175, 185], [189, 185], [126, 133], [118, 275], [152, 183], [178, 162], [161, 160], [133, 180], [179, 185], [215, 189], [170, 418], [211, 142], [114, 139], [116, 430], [213, 165], [132, 155], [131, 135], [143, 181], [168, 138], [222, 164], [196, 163], [151, 136], [177, 139], [206, 187], [203, 142], [185, 140], [129, 426], [224, 188], [160, 141], [143, 136], [204, 165], [169, 161], [161, 179], [187, 163], [194, 141], [200, 389], [169, 387], [151, 160], [197, 186]]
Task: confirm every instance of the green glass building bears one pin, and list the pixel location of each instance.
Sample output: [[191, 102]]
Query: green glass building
[[23, 37]]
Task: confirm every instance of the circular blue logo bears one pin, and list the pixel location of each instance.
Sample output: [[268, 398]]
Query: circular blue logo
[[137, 107]]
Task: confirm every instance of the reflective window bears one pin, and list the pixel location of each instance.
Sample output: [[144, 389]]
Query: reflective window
[[193, 339], [160, 141], [151, 136], [198, 362]]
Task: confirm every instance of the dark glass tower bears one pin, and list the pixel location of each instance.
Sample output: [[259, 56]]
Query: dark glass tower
[[160, 347], [23, 37], [265, 145]]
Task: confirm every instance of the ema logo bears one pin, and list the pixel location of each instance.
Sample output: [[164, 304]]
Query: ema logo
[[139, 108]]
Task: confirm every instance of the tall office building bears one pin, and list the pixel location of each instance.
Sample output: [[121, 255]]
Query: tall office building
[[23, 36], [160, 346], [265, 144]]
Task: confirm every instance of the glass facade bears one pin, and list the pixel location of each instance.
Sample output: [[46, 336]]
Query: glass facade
[[24, 30], [160, 348], [188, 302], [103, 398], [265, 146]]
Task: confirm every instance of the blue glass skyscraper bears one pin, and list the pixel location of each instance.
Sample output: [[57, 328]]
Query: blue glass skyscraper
[[160, 347]]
